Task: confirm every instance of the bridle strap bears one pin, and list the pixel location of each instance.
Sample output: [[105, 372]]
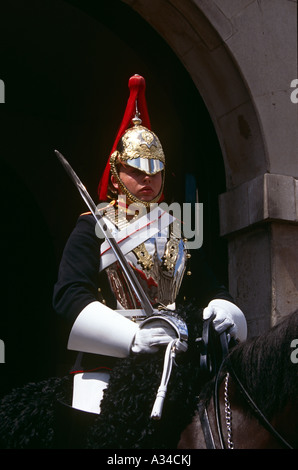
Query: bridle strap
[[264, 421], [267, 425], [208, 367], [225, 351], [205, 425], [203, 412]]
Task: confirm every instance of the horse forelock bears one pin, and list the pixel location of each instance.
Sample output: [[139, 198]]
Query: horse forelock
[[264, 366]]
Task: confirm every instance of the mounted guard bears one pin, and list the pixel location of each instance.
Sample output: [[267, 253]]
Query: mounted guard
[[109, 317]]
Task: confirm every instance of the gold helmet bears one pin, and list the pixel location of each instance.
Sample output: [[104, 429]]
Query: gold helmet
[[136, 146]]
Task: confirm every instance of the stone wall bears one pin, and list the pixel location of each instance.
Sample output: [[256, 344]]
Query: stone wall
[[242, 56]]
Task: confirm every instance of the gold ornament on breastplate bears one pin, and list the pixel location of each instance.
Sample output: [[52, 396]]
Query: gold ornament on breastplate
[[159, 263], [143, 257]]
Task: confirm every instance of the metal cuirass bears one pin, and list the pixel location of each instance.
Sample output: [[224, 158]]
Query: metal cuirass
[[158, 258]]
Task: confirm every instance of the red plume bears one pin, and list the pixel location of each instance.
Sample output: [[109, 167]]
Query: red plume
[[137, 86]]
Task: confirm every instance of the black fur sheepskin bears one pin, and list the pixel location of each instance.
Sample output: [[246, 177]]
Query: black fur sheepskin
[[30, 417]]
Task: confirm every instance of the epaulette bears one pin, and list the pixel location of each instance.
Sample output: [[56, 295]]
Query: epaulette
[[85, 213], [102, 209]]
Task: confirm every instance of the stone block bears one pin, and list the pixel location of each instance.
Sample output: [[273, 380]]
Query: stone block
[[250, 277], [284, 261], [280, 198], [265, 198]]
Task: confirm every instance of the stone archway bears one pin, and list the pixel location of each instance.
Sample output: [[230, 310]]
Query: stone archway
[[243, 66], [204, 53]]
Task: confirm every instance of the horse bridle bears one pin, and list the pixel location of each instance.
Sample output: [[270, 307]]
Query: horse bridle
[[208, 366]]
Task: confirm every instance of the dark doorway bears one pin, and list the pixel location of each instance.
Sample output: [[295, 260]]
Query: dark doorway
[[66, 65]]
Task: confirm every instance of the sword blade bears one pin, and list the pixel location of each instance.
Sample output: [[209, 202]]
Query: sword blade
[[129, 273]]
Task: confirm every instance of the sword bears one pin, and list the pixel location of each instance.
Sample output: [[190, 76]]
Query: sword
[[127, 269]]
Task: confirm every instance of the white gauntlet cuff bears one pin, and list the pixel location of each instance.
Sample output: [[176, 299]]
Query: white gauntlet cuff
[[100, 330]]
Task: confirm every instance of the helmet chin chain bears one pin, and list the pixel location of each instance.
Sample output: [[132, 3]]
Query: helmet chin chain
[[130, 197]]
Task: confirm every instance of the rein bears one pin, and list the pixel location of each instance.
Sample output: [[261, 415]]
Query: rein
[[264, 421], [208, 367]]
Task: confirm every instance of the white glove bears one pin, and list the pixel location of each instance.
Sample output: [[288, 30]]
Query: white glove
[[227, 317], [152, 336]]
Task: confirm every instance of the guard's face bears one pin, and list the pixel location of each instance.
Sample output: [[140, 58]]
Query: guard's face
[[144, 187]]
